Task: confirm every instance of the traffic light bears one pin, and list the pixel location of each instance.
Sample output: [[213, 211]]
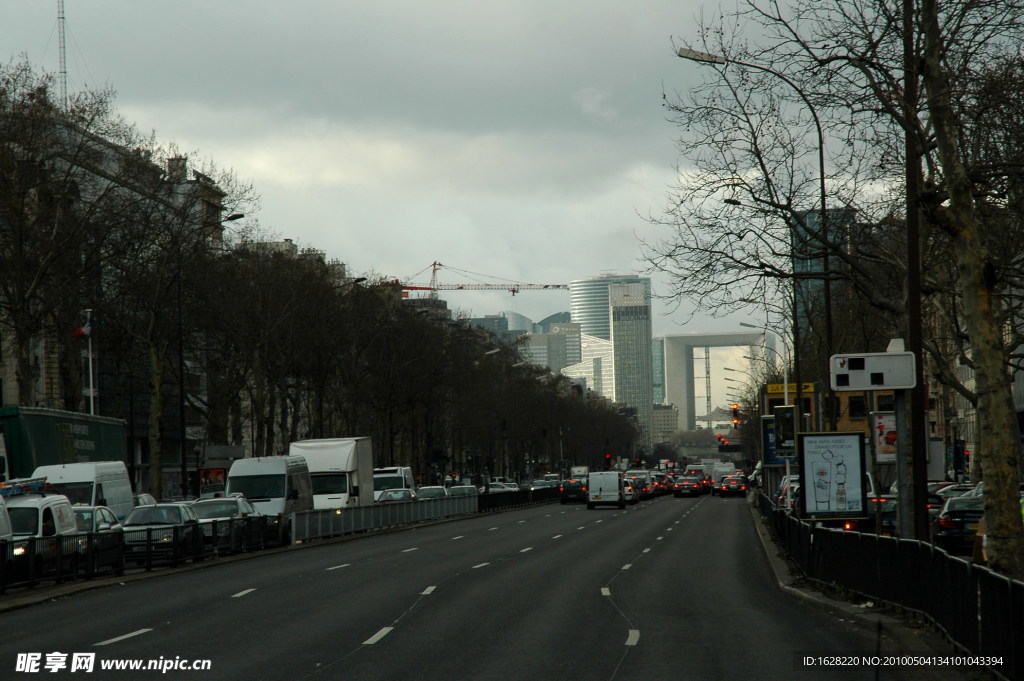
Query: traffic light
[[607, 462], [735, 415]]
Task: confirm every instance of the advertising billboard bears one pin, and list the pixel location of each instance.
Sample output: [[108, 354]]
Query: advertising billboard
[[883, 436], [832, 471]]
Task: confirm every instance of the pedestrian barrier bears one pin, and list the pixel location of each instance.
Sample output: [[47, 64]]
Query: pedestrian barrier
[[980, 611]]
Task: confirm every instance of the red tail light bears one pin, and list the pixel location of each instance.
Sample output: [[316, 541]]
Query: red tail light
[[583, 489], [947, 523], [743, 486]]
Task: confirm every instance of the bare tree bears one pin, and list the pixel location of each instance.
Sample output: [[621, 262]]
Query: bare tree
[[741, 214]]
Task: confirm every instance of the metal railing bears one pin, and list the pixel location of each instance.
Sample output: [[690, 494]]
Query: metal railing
[[980, 611], [33, 561]]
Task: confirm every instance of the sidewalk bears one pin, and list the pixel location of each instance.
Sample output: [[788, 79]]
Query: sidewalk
[[900, 634]]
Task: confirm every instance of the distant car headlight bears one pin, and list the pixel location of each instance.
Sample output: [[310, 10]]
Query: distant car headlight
[[165, 537], [20, 550]]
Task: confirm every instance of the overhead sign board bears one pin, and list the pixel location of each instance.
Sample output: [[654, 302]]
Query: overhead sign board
[[873, 371]]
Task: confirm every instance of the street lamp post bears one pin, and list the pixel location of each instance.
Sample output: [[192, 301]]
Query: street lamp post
[[708, 58]]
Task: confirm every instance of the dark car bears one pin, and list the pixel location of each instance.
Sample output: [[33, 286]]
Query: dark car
[[229, 523], [688, 487], [573, 491], [957, 523], [732, 486], [162, 531]]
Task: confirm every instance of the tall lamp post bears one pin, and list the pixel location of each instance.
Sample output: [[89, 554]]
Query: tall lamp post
[[708, 58]]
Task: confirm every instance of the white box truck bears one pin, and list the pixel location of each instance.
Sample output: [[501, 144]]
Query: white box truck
[[341, 470]]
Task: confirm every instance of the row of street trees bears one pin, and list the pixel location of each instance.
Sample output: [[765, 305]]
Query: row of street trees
[[207, 333], [919, 107]]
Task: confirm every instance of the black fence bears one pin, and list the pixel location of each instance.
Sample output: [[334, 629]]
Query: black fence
[[31, 561], [979, 610]]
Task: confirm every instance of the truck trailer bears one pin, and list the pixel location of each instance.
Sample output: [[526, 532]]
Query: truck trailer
[[31, 437], [341, 470]]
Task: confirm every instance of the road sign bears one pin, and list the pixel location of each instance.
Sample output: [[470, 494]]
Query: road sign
[[873, 371]]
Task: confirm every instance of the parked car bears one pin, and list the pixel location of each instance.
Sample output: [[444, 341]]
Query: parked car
[[463, 491], [229, 523], [162, 531], [954, 490], [432, 492], [957, 523], [100, 538], [43, 528], [144, 499], [387, 496], [573, 491]]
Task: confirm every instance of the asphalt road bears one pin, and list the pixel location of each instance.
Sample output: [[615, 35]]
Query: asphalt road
[[668, 589]]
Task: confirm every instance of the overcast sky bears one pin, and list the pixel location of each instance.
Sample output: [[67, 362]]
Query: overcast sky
[[519, 140]]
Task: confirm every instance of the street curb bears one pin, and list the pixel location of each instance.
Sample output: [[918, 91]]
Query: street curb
[[896, 634]]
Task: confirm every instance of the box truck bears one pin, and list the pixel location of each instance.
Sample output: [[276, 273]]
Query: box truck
[[340, 469], [33, 436]]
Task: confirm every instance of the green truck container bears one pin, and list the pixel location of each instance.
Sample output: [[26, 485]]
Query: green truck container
[[35, 436]]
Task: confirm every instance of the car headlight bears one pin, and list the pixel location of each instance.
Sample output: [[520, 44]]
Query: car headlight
[[19, 550], [165, 537]]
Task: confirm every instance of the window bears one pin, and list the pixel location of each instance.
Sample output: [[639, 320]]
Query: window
[[857, 407], [885, 403]]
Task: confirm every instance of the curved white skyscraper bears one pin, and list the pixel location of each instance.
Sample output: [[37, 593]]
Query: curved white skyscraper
[[589, 305]]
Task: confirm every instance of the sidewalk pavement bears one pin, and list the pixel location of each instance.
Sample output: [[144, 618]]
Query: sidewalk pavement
[[900, 633]]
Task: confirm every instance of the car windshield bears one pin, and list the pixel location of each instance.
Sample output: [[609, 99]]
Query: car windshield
[[329, 483], [24, 520], [257, 486], [216, 509], [154, 515], [382, 482]]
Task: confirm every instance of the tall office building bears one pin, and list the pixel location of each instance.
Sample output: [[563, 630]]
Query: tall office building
[[630, 327], [588, 301], [617, 308]]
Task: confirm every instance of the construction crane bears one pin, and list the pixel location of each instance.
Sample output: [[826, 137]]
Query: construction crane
[[434, 286]]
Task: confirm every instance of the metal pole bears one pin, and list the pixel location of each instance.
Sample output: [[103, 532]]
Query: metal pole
[[92, 384]]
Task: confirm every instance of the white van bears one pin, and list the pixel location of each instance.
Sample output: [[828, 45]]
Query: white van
[[276, 485], [395, 477], [5, 522], [92, 483], [605, 488]]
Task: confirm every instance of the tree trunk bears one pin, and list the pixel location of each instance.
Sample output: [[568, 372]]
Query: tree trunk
[[156, 410], [996, 416]]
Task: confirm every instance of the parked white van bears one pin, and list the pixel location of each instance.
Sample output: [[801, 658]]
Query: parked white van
[[92, 483], [5, 522], [395, 477], [276, 485]]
